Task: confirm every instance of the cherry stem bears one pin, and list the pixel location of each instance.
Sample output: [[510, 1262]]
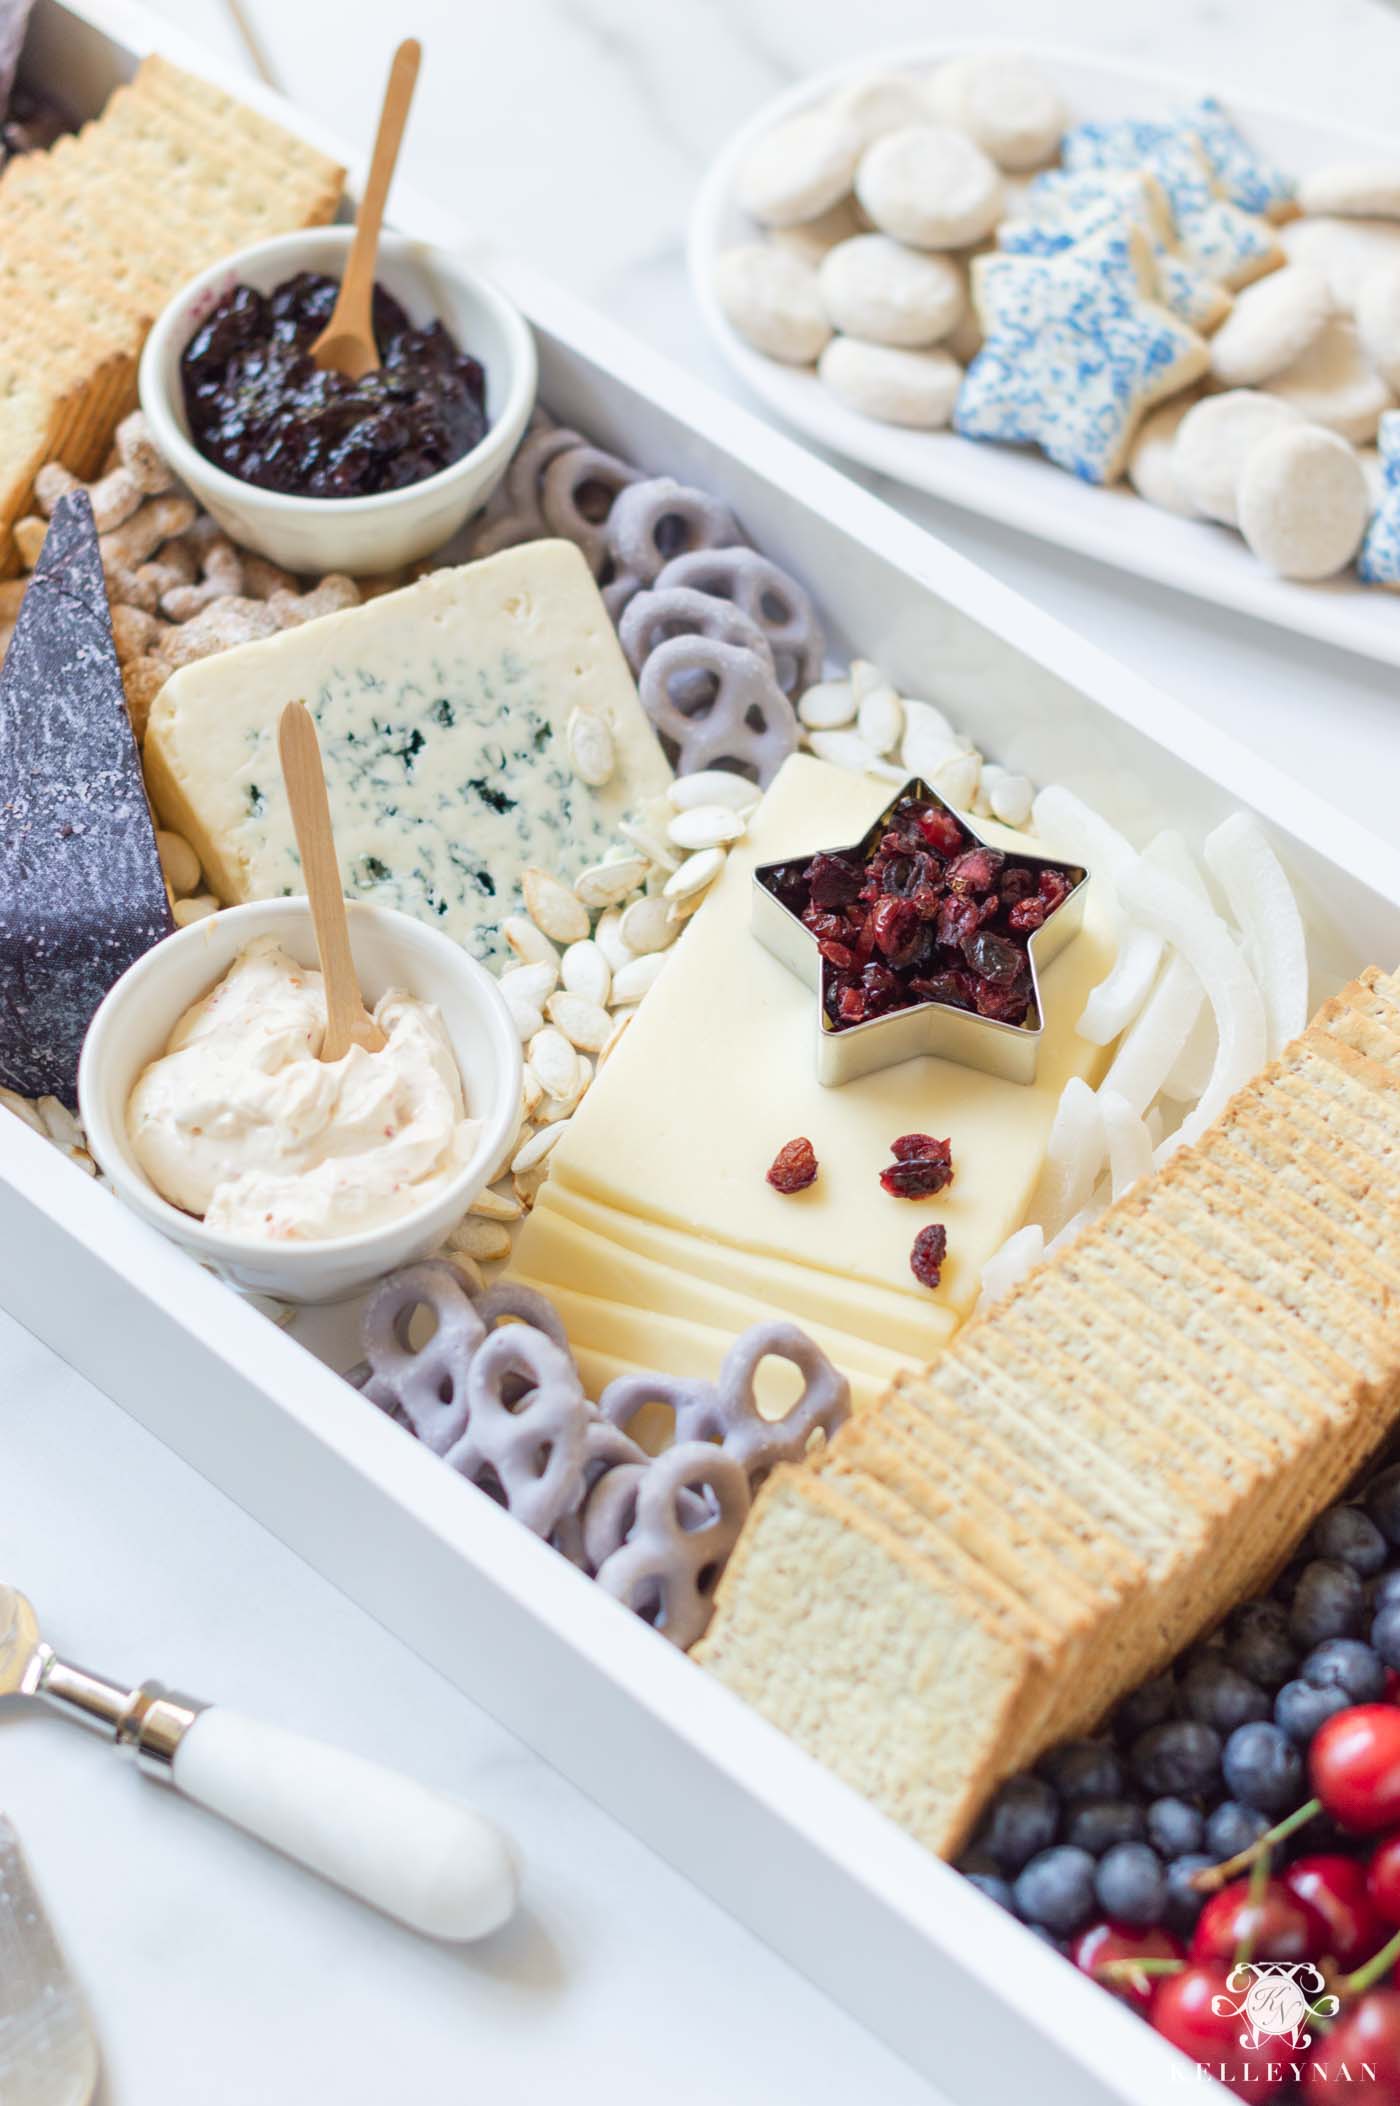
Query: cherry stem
[[1365, 1977], [1213, 1877], [1127, 1970], [1258, 1880]]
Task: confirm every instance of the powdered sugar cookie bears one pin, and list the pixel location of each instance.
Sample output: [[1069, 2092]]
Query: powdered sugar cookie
[[1215, 440], [1000, 100], [1273, 322], [1221, 240], [965, 339], [878, 103], [1060, 209], [1077, 350], [815, 238], [929, 186], [1373, 468], [874, 287], [1334, 383], [1379, 561], [1353, 190], [918, 388], [1303, 503], [1152, 463], [1378, 320], [1346, 251], [799, 169], [772, 298]]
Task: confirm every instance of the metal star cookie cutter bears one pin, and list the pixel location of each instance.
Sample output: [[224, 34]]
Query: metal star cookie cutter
[[924, 1028]]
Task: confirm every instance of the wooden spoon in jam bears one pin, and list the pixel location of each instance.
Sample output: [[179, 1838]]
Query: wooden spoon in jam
[[346, 344]]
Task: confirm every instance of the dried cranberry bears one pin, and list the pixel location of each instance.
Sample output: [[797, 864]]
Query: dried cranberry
[[1054, 887], [927, 1256], [831, 881], [1027, 916], [1007, 1004], [958, 919], [825, 926], [958, 989], [851, 1005], [794, 1167], [975, 872], [881, 987], [1015, 883], [992, 957], [897, 929], [837, 954], [922, 1166], [940, 829]]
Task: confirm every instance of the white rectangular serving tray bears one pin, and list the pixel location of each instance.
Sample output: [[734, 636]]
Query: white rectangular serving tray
[[1015, 484], [906, 1945]]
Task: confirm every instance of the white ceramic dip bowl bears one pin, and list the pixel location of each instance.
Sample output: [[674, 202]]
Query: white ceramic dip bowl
[[134, 1022]]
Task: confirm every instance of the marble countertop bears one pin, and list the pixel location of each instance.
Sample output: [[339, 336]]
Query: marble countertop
[[574, 130]]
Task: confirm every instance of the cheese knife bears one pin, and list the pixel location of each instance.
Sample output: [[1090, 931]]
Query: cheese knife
[[48, 2052], [417, 1854]]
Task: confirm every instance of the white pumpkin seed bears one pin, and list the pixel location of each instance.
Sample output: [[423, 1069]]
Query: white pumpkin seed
[[502, 1162], [844, 749], [555, 1062], [647, 844], [621, 1019], [528, 942], [586, 972], [185, 911], [585, 1024], [925, 752], [1011, 799], [922, 716], [605, 884], [713, 786], [865, 678], [527, 1184], [638, 978], [23, 1109], [609, 937], [537, 1147], [707, 826], [527, 1017], [888, 771], [531, 983], [880, 719], [957, 780], [62, 1126], [465, 1263], [591, 748], [828, 706], [645, 928], [552, 907], [483, 1241], [495, 1206], [531, 1091], [179, 862], [695, 873]]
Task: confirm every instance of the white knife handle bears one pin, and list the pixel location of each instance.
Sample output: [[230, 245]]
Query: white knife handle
[[415, 1853]]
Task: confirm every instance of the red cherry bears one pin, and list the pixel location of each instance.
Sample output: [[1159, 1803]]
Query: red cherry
[[1392, 1686], [1279, 1926], [1336, 1889], [1095, 1949], [1359, 2059], [1183, 2012], [1354, 1763], [1383, 1878]]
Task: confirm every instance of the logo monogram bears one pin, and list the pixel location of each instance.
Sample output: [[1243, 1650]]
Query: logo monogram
[[1276, 1999]]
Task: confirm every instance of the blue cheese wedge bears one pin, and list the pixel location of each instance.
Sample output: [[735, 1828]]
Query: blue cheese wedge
[[442, 714]]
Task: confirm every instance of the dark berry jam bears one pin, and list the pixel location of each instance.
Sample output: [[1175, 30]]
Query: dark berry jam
[[923, 913], [261, 409]]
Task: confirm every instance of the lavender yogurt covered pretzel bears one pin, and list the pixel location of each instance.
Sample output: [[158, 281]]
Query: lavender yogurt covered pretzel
[[747, 720], [652, 522], [667, 1570], [770, 598], [424, 1387]]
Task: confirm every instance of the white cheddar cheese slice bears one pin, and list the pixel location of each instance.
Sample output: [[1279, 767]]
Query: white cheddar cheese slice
[[441, 712], [668, 1152]]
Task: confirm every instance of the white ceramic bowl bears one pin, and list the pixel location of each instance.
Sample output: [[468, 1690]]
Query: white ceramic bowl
[[354, 534], [134, 1022]]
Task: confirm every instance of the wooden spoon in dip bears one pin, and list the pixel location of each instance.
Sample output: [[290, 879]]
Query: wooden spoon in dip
[[348, 1022], [346, 344]]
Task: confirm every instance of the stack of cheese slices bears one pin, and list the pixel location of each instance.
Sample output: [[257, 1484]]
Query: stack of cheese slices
[[1100, 1467]]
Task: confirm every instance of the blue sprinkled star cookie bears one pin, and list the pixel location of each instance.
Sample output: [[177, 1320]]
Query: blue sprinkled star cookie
[[1061, 209], [1076, 349], [1216, 236], [1379, 561], [1244, 177]]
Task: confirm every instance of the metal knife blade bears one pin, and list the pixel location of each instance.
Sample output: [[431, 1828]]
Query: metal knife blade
[[48, 2051]]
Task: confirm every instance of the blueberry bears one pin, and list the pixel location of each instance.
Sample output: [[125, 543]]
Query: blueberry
[[1348, 1665], [1351, 1537], [1183, 1903], [1301, 1707], [1056, 1889], [1096, 1825], [1384, 1589], [1182, 1757], [1326, 1602], [1385, 1633], [994, 1887], [1150, 1705], [1258, 1643], [1383, 1502], [1175, 1827], [1083, 1769], [1220, 1696], [1232, 1828], [1024, 1817], [1263, 1767], [1130, 1885]]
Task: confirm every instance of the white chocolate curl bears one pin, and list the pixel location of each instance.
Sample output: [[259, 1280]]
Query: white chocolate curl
[[1007, 1267], [1129, 1143], [1154, 1041], [1074, 1156], [1263, 905]]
